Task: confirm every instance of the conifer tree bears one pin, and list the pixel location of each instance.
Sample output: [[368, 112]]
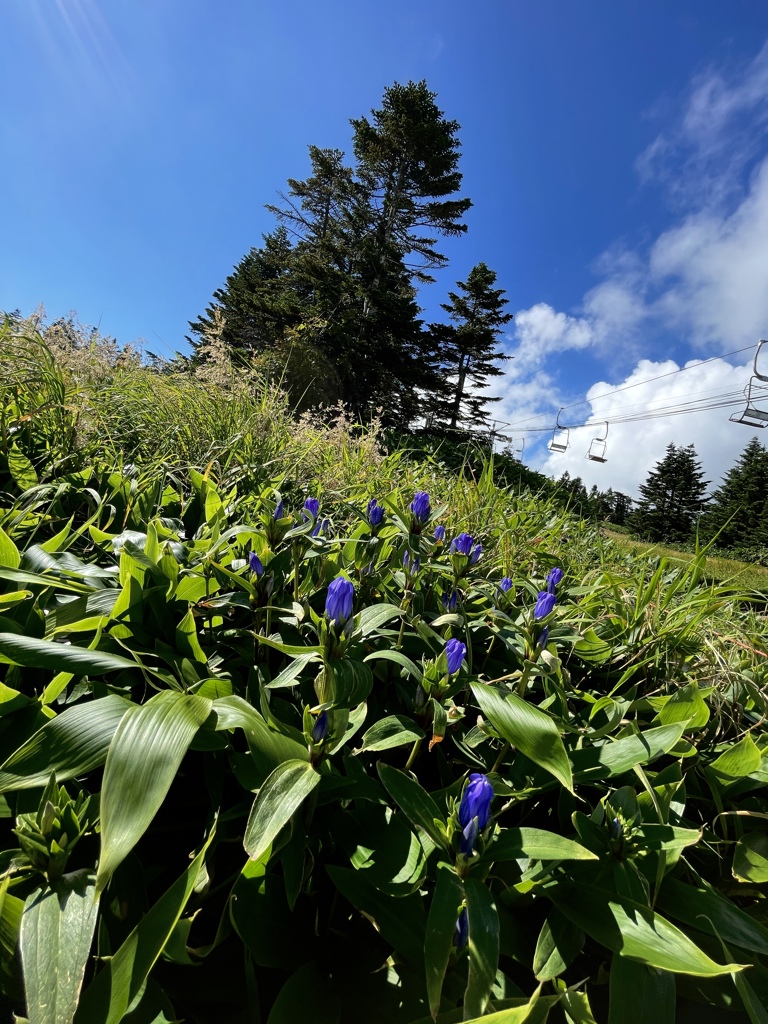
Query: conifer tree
[[673, 497], [468, 349], [739, 510]]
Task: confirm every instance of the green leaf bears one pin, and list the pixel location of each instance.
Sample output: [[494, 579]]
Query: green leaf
[[400, 920], [685, 705], [109, 995], [268, 747], [750, 858], [32, 653], [142, 762], [706, 909], [376, 615], [483, 946], [73, 743], [444, 911], [308, 995], [634, 931], [414, 800], [55, 940], [393, 731], [400, 659], [187, 642], [353, 682], [21, 469], [614, 757], [289, 675], [558, 944], [736, 762], [514, 843], [527, 728], [592, 649], [279, 798], [640, 994], [9, 553]]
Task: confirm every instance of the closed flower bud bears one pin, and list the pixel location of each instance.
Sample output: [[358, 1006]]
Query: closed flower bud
[[255, 564], [375, 513], [339, 600], [545, 602], [476, 801], [312, 505], [477, 550], [279, 512], [421, 507], [439, 534], [555, 575], [543, 637], [450, 601], [320, 728], [455, 652], [462, 545], [506, 584], [461, 933]]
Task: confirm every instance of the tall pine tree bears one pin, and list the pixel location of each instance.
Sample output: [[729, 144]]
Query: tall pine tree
[[468, 349], [673, 497], [739, 510]]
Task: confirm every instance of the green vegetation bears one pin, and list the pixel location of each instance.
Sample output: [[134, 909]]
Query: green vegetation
[[271, 749]]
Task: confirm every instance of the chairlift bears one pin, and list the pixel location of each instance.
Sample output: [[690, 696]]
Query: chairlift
[[598, 446], [560, 441], [515, 451], [756, 412]]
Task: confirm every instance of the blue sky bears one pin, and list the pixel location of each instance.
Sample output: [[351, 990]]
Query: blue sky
[[615, 152]]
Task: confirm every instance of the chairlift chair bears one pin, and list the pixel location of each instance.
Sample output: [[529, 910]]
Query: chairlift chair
[[560, 440], [517, 453], [598, 446], [756, 412]]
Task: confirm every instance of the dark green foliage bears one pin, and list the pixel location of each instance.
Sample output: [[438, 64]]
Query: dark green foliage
[[738, 512], [673, 497], [468, 348]]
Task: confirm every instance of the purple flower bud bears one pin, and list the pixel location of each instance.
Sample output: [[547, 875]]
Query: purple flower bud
[[320, 728], [450, 601], [506, 584], [255, 563], [543, 637], [439, 534], [375, 513], [339, 600], [420, 506], [279, 512], [455, 652], [468, 838], [555, 575], [312, 505], [461, 934], [411, 563], [462, 545], [476, 801], [477, 550], [545, 602]]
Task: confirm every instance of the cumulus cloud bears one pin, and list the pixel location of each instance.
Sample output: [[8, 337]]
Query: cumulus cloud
[[704, 281]]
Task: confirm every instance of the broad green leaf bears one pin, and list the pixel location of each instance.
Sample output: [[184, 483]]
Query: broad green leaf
[[389, 852], [614, 757], [750, 858], [55, 940], [14, 597], [527, 728], [109, 995], [736, 762], [524, 1012], [400, 920], [279, 798], [685, 705], [441, 929], [399, 659], [21, 469], [353, 682], [376, 615], [592, 649], [558, 944], [32, 653], [394, 731], [414, 800], [187, 641], [11, 910], [706, 909], [71, 744], [514, 843], [289, 675], [9, 553], [268, 747], [756, 1010], [483, 946], [142, 762], [634, 931], [640, 994], [308, 995], [668, 837]]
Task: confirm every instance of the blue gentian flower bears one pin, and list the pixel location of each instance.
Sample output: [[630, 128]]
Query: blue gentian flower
[[339, 600], [543, 637], [506, 584], [455, 652], [320, 728], [461, 934], [468, 838], [545, 602], [450, 601], [411, 564], [462, 545], [279, 512], [555, 575], [421, 507], [255, 563], [439, 534], [476, 801], [375, 513], [477, 550], [312, 505]]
